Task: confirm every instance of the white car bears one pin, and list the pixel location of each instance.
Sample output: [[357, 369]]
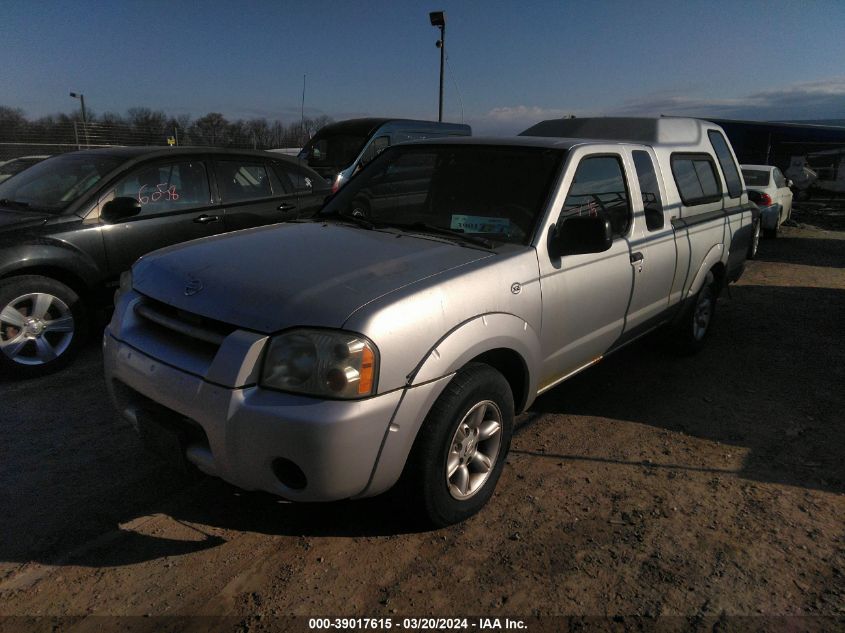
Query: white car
[[775, 196]]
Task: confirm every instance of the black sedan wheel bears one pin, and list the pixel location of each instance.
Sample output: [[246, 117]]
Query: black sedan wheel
[[41, 325]]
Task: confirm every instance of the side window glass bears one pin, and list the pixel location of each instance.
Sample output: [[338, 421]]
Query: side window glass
[[241, 180], [695, 176], [280, 182], [165, 187], [727, 163], [599, 189], [652, 204], [299, 181]]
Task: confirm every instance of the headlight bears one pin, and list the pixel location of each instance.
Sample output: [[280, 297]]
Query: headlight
[[125, 285], [323, 363]]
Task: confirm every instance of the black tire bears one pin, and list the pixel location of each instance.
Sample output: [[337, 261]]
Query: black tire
[[33, 345], [755, 240], [426, 479], [691, 330], [770, 233]]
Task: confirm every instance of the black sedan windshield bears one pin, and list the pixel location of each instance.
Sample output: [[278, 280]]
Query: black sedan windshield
[[55, 183], [494, 192]]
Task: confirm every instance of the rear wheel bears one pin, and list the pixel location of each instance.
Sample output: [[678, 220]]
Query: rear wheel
[[461, 448], [42, 324], [693, 327]]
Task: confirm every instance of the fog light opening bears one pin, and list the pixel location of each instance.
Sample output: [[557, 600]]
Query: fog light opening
[[289, 473]]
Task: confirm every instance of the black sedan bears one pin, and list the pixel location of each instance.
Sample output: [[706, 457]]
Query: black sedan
[[72, 223]]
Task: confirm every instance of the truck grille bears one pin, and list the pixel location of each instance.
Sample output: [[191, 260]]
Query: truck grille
[[201, 329]]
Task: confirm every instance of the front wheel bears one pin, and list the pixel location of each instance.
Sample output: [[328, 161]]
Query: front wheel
[[461, 448], [42, 324]]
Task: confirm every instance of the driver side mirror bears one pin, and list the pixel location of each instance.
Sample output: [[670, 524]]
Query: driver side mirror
[[119, 208], [581, 234]]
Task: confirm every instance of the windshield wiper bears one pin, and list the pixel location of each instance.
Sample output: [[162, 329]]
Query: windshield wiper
[[360, 220], [423, 227], [14, 203]]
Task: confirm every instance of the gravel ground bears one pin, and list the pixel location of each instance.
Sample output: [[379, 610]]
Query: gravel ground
[[650, 490]]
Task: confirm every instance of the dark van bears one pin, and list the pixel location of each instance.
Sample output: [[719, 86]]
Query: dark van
[[338, 150]]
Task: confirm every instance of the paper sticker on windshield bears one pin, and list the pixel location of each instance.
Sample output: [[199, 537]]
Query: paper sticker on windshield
[[480, 224]]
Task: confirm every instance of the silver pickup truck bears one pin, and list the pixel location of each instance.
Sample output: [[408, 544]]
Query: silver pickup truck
[[394, 337]]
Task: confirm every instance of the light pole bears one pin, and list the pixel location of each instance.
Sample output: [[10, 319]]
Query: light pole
[[438, 19], [81, 98]]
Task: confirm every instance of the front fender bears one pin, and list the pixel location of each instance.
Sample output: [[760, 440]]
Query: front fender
[[19, 259], [467, 341], [475, 337]]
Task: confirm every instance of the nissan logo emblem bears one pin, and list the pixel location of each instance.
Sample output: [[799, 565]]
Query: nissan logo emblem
[[193, 287]]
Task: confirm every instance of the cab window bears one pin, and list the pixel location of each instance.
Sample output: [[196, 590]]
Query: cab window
[[599, 189]]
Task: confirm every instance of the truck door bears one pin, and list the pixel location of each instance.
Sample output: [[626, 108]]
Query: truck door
[[585, 296], [653, 249]]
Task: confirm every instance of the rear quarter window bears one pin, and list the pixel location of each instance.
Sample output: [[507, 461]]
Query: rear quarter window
[[696, 179]]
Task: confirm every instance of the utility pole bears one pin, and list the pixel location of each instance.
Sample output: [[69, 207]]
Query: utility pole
[[81, 98], [438, 19], [302, 118]]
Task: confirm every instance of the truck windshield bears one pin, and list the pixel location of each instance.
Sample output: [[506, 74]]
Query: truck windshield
[[53, 184], [333, 152], [495, 192]]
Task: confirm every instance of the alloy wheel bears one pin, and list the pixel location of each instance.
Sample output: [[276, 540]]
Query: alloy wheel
[[474, 450], [35, 328]]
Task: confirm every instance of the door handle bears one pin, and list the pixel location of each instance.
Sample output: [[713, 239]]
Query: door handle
[[636, 257], [205, 219], [285, 206]]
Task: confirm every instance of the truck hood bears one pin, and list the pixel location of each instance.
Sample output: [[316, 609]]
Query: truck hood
[[11, 219], [275, 277]]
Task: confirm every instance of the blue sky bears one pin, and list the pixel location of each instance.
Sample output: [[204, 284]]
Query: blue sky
[[514, 62]]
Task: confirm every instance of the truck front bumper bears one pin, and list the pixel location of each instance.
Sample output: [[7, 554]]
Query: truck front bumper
[[250, 436]]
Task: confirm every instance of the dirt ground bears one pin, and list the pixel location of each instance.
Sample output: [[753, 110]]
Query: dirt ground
[[649, 489]]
